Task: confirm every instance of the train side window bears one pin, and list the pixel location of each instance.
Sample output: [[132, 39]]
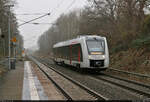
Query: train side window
[[75, 52], [64, 52]]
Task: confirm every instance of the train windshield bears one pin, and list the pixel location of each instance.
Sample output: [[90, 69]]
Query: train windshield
[[95, 46]]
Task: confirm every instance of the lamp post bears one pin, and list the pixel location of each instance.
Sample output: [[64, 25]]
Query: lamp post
[[0, 32], [9, 43]]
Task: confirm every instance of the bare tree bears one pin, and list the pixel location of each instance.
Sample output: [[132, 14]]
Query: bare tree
[[4, 26], [66, 27]]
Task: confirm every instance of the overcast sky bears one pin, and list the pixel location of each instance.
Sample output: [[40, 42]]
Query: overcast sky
[[31, 32]]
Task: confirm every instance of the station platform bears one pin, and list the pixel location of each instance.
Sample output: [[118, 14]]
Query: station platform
[[26, 82]]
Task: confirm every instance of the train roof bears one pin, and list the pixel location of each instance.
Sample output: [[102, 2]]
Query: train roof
[[74, 41]]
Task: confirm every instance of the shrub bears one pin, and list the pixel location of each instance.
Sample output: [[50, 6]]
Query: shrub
[[146, 25], [145, 41], [118, 48]]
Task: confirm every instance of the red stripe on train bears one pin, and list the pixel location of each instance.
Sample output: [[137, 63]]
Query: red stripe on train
[[70, 54], [79, 54]]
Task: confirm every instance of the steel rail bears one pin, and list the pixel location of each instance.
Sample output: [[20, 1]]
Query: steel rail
[[123, 86], [90, 91], [131, 73], [62, 90], [127, 80], [126, 72]]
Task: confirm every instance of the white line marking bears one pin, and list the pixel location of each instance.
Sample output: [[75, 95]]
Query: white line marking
[[26, 90], [33, 90]]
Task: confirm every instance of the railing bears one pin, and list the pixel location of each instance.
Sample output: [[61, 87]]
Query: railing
[[4, 62]]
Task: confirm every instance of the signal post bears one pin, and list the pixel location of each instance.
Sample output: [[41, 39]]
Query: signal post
[[13, 60]]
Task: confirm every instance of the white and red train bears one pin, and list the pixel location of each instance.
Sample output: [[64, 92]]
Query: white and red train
[[88, 51]]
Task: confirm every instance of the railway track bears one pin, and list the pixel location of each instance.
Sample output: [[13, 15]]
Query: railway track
[[130, 85], [65, 93], [127, 80], [134, 87], [130, 73], [125, 72]]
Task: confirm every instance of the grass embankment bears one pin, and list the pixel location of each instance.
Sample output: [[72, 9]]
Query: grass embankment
[[135, 58]]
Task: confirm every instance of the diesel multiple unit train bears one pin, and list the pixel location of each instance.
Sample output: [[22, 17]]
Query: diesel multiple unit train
[[89, 51]]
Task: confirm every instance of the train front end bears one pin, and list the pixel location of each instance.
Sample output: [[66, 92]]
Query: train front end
[[97, 53]]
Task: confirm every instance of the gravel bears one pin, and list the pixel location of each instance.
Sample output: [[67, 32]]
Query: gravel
[[73, 90], [106, 89], [51, 91]]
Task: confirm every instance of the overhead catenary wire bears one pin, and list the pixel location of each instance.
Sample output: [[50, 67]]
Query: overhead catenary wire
[[71, 4], [40, 16], [44, 14], [35, 19], [31, 14], [66, 8], [41, 13], [61, 2], [37, 23]]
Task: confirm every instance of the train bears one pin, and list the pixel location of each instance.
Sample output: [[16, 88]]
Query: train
[[84, 52]]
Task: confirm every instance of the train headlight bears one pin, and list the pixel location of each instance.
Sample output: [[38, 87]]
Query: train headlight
[[103, 56], [90, 57]]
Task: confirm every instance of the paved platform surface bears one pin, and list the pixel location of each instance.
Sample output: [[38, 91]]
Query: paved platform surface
[[32, 89], [11, 83], [26, 82]]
